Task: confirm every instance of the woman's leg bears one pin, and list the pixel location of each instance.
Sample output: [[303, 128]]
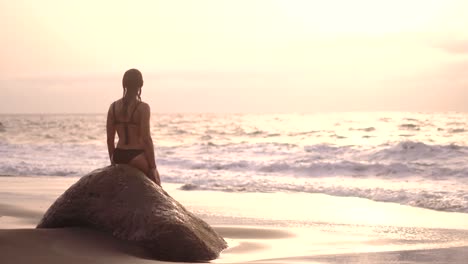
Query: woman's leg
[[141, 163]]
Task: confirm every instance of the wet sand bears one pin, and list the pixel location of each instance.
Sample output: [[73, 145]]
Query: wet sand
[[259, 227]]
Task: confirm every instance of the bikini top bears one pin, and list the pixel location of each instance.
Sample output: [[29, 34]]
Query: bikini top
[[125, 123]]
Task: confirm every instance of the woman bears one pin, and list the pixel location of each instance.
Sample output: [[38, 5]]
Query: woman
[[130, 117]]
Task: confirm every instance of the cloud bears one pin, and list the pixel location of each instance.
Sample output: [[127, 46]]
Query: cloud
[[455, 46]]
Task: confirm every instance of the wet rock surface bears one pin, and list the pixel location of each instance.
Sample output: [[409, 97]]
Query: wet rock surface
[[122, 201]]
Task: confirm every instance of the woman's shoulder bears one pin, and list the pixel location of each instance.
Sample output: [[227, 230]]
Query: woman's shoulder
[[140, 105], [115, 102], [144, 106]]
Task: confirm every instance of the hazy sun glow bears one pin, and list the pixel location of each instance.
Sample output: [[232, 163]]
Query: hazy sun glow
[[315, 48], [364, 16]]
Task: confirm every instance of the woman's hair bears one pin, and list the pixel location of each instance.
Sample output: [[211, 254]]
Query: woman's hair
[[132, 82]]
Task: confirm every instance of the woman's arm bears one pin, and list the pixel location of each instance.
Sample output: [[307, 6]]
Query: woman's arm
[[148, 143], [110, 128]]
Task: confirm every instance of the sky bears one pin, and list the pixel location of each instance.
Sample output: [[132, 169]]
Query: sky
[[262, 56]]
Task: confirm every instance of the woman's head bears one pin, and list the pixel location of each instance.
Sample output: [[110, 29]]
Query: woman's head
[[132, 82]]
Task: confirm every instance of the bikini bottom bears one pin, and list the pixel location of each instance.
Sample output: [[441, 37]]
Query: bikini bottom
[[124, 156]]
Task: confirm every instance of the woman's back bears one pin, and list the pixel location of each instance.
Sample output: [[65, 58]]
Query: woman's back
[[127, 123]]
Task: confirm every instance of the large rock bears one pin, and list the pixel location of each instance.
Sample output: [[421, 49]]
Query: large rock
[[122, 201]]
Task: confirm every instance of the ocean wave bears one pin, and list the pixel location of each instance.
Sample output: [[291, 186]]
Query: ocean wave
[[410, 126], [25, 169], [256, 133], [402, 159], [412, 150], [308, 168], [325, 148], [411, 119], [244, 152], [178, 131], [221, 166], [457, 130], [222, 132], [206, 137], [305, 133], [455, 123], [367, 129], [338, 136], [435, 200], [51, 159]]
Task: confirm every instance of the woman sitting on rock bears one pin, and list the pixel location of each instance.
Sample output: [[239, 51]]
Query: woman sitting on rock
[[130, 117]]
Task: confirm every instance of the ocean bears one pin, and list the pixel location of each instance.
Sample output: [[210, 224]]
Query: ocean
[[409, 158]]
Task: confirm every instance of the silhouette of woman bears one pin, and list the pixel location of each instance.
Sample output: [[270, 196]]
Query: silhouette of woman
[[130, 118]]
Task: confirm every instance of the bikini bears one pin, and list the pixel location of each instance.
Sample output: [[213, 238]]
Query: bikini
[[124, 156]]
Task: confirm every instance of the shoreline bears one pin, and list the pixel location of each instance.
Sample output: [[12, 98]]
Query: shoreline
[[259, 228]]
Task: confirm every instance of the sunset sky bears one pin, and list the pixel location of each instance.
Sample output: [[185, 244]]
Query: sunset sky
[[235, 56]]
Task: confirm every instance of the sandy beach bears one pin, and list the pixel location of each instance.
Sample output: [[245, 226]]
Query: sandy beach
[[259, 227]]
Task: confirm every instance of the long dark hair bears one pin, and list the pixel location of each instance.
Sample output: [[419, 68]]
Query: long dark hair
[[132, 82]]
